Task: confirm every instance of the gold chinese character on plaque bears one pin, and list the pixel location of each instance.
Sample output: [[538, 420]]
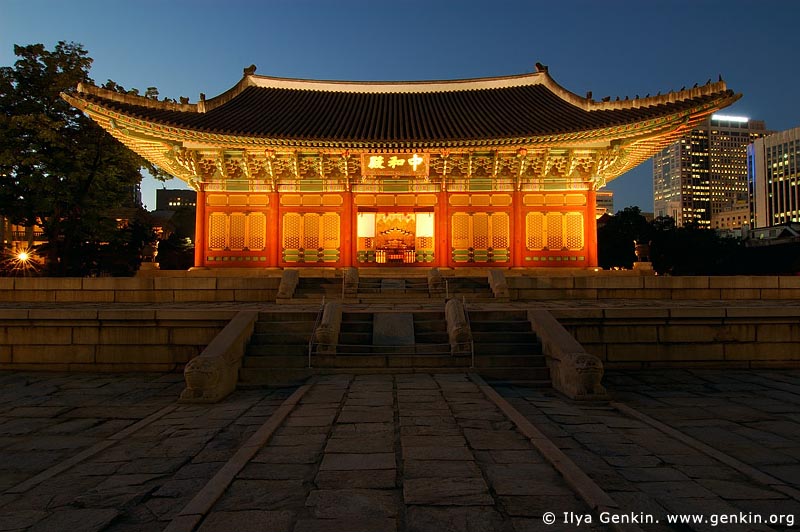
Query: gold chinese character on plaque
[[394, 162], [415, 161], [376, 161]]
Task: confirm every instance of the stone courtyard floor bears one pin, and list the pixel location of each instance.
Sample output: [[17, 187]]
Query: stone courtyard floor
[[406, 452]]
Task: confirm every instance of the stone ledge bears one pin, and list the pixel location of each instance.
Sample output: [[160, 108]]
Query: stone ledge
[[213, 374], [573, 371]]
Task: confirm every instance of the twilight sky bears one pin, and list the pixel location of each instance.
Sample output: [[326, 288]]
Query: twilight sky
[[612, 47]]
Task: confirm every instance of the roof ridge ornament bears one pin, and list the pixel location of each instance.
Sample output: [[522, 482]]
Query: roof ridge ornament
[[249, 71]]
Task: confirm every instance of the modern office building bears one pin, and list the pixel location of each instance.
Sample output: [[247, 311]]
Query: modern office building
[[605, 202], [773, 164], [705, 172], [172, 199]]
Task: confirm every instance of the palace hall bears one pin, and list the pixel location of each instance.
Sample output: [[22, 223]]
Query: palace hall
[[497, 171]]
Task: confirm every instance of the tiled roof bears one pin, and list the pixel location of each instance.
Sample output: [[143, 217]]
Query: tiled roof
[[407, 113]]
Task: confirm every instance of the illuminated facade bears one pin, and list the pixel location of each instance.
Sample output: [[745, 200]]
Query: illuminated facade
[[483, 172], [774, 175], [705, 172]]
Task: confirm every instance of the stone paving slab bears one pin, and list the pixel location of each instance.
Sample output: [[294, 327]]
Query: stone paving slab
[[390, 452]]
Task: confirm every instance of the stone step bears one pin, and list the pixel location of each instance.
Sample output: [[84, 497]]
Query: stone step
[[389, 361], [275, 361], [525, 349], [357, 317], [284, 326], [382, 350], [498, 315], [504, 361], [510, 326], [516, 373], [355, 338], [432, 337], [504, 337], [276, 349], [287, 316], [280, 338], [356, 327], [272, 376]]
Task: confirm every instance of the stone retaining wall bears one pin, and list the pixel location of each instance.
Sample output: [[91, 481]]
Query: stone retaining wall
[[185, 289], [735, 337], [632, 285], [105, 340], [216, 286]]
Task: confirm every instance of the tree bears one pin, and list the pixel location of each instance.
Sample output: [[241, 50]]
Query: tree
[[615, 239], [58, 169]]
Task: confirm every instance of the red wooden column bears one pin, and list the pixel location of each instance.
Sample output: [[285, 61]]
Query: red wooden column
[[346, 230], [273, 233], [518, 228], [591, 228], [442, 223], [200, 236]]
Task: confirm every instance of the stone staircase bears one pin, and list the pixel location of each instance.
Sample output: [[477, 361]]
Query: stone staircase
[[359, 350], [507, 349], [374, 288], [278, 350], [315, 288], [471, 288]]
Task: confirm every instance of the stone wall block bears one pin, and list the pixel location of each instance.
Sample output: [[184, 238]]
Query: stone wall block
[[185, 283], [743, 282], [778, 332], [40, 335], [84, 296], [86, 335], [670, 283], [134, 335], [149, 296], [52, 354], [193, 335], [117, 283], [630, 282], [761, 351], [265, 295], [47, 283], [200, 295]]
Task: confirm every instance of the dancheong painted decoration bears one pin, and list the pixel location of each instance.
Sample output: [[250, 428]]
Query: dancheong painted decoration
[[480, 172]]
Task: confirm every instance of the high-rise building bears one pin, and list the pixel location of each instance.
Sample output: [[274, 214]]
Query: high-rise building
[[773, 165], [605, 202], [705, 172], [172, 199]]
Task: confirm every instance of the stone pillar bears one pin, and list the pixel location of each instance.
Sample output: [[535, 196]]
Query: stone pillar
[[435, 283], [458, 329], [350, 283], [326, 335]]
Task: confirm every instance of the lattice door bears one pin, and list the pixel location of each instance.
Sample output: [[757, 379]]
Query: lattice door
[[573, 231], [534, 231]]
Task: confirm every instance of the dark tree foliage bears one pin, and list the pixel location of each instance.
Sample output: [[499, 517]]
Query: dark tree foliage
[[615, 239], [688, 250], [58, 169]]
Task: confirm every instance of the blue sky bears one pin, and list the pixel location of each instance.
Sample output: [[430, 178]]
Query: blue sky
[[613, 47]]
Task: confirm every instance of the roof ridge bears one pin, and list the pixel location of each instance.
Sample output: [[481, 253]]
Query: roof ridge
[[100, 92]]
